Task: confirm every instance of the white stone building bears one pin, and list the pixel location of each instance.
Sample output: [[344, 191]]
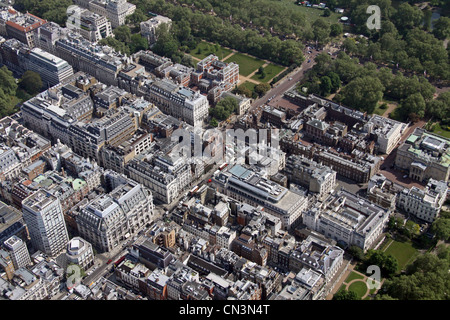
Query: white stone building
[[425, 203]]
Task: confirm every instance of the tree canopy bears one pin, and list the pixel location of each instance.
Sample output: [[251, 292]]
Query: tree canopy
[[52, 10], [7, 81], [345, 295], [31, 82], [425, 279], [363, 93], [224, 108], [441, 228]]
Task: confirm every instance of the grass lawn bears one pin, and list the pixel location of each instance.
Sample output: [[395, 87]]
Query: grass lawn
[[353, 276], [385, 244], [271, 71], [379, 111], [404, 252], [249, 85], [437, 129], [209, 48], [246, 63], [358, 287], [397, 116], [311, 14]]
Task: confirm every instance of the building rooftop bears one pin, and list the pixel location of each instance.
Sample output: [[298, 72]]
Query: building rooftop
[[39, 200]]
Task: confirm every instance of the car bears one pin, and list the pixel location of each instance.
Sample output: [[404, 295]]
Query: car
[[109, 261], [405, 176]]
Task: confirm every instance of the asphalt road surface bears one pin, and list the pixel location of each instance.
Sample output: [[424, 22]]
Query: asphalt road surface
[[289, 81]]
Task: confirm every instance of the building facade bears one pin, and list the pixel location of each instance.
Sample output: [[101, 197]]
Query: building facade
[[347, 218], [111, 218], [45, 220], [426, 203], [80, 252], [18, 251]]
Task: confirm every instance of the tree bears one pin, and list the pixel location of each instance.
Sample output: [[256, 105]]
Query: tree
[[443, 252], [413, 228], [356, 252], [345, 295], [51, 10], [335, 81], [426, 278], [441, 28], [385, 75], [263, 75], [123, 33], [244, 91], [336, 29], [390, 265], [138, 43], [441, 228], [214, 122], [363, 93], [323, 62], [116, 45], [386, 262], [31, 82], [414, 103], [408, 17], [436, 109], [332, 4], [166, 45], [224, 108], [7, 81], [325, 85], [349, 45], [391, 223], [321, 30], [290, 52], [6, 108], [262, 88], [326, 12], [187, 61], [137, 17]]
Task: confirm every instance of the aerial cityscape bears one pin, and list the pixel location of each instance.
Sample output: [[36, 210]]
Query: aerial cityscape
[[252, 150]]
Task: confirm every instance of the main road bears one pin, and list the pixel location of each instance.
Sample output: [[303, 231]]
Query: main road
[[288, 81]]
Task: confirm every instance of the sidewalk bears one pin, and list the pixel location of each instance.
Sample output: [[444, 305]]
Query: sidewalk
[[342, 276]]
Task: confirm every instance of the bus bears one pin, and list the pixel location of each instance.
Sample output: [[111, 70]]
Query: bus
[[222, 166], [193, 190], [119, 261]]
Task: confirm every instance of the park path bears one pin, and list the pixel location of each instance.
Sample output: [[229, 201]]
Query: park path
[[364, 279], [391, 107], [232, 52], [242, 78], [338, 285]]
